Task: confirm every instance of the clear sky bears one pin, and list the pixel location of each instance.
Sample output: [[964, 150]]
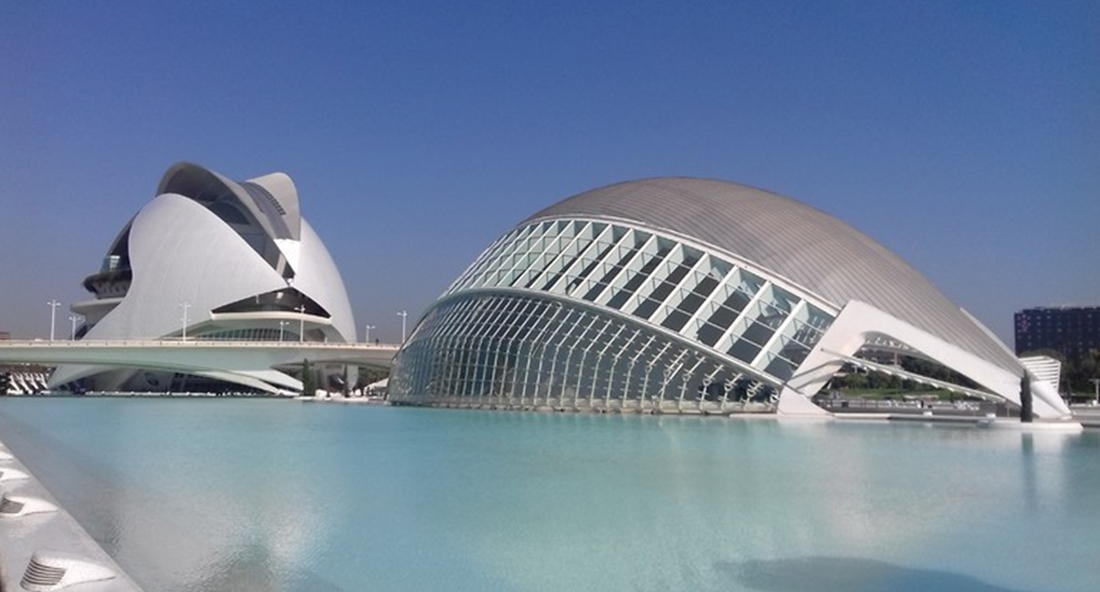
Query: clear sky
[[965, 136]]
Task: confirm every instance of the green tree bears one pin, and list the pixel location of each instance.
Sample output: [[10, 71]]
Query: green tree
[[1079, 369], [371, 375], [309, 380]]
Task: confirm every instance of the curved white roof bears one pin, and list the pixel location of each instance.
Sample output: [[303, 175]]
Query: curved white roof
[[180, 251], [212, 242], [792, 240]]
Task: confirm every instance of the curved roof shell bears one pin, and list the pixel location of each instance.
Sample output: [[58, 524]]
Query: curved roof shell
[[792, 240], [180, 247]]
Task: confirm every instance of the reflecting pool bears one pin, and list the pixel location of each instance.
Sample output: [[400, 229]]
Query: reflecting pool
[[216, 494]]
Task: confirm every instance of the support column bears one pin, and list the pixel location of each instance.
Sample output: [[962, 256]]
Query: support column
[[1026, 414]]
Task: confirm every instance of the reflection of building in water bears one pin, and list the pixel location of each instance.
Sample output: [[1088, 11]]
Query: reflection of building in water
[[210, 258], [692, 296], [23, 379]]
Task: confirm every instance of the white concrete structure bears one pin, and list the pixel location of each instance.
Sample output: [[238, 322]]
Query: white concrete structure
[[254, 364], [693, 296], [1046, 369], [209, 258]]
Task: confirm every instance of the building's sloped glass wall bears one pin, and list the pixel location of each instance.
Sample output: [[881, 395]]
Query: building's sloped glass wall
[[700, 295], [521, 351], [249, 334]]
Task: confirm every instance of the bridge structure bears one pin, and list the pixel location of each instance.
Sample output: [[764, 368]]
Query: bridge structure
[[249, 363]]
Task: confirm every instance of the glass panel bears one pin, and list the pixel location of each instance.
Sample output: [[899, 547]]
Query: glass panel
[[782, 299], [710, 334], [635, 281], [725, 315], [699, 294], [757, 333], [747, 282], [591, 262], [646, 308], [744, 350], [676, 320], [780, 368]]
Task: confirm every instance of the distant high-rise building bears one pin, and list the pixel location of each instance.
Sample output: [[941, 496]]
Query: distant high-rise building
[[1067, 330]]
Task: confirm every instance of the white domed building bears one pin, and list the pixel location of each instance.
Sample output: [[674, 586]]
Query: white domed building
[[694, 296], [212, 259]]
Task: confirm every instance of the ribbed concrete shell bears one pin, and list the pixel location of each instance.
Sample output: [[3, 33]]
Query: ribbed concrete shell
[[725, 297], [792, 240]]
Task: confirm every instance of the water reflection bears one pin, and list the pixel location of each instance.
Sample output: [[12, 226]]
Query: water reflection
[[268, 495], [252, 568], [815, 574]]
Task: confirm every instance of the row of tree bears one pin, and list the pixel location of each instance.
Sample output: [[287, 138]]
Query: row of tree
[[853, 379], [311, 381], [1078, 371]]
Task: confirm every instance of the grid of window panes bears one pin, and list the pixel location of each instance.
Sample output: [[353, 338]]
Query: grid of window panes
[[698, 294], [498, 350], [250, 334]]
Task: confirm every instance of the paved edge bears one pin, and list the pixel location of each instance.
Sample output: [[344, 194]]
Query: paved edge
[[21, 536]]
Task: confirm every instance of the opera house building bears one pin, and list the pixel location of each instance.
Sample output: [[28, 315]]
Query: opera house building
[[212, 259], [684, 295]]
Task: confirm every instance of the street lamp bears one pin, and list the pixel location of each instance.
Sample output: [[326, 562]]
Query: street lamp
[[301, 322], [183, 329], [282, 325], [366, 334], [53, 314], [404, 315], [72, 333], [53, 304]]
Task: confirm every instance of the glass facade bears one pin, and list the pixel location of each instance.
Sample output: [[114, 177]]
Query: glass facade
[[594, 314], [250, 334]]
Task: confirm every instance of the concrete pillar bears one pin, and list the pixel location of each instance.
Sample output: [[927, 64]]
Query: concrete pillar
[[1026, 414]]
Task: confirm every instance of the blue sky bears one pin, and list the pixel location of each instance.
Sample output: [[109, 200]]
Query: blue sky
[[965, 136]]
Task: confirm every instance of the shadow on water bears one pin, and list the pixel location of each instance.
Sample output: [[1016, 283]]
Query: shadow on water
[[814, 574]]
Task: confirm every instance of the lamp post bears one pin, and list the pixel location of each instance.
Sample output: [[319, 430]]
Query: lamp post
[[366, 333], [282, 325], [183, 327], [53, 304], [301, 322], [1096, 383], [72, 333], [404, 315]]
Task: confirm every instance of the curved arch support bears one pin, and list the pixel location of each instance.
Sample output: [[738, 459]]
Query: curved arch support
[[858, 321]]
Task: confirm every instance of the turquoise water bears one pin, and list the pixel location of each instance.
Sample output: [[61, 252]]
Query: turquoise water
[[211, 495]]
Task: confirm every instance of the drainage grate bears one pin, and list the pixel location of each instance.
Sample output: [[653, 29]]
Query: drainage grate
[[41, 577], [11, 475], [17, 506], [54, 570], [10, 506]]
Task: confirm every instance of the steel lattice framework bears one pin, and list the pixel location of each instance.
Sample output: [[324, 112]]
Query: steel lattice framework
[[685, 295], [590, 314]]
